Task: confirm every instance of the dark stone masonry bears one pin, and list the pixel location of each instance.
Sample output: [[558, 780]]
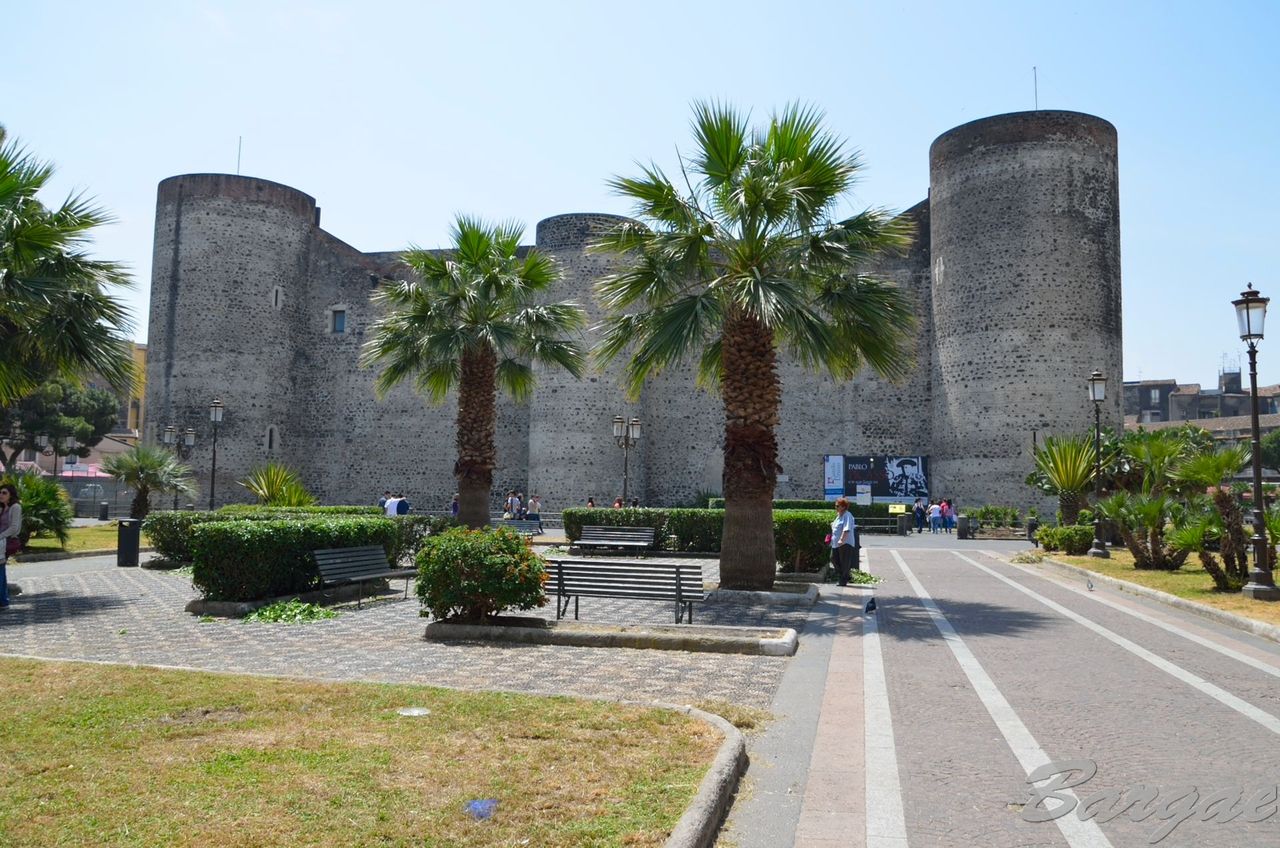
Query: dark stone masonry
[[1015, 275]]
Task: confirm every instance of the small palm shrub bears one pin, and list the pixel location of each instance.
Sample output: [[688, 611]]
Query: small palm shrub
[[149, 470], [46, 510], [275, 484], [471, 575]]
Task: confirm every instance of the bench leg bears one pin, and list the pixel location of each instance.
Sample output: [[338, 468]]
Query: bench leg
[[575, 607], [561, 607]]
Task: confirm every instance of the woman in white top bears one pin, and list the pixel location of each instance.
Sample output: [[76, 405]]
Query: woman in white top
[[844, 542], [10, 527]]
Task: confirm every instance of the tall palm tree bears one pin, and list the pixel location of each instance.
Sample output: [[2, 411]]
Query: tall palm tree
[[57, 316], [149, 470], [472, 320], [751, 260]]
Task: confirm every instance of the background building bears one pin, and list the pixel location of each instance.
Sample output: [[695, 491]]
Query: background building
[[1015, 274]]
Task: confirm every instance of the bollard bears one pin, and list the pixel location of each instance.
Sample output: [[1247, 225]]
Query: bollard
[[127, 532], [103, 510], [1032, 527]]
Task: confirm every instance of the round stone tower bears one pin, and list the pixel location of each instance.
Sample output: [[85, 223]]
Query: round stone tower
[[572, 454], [1025, 245], [227, 289]]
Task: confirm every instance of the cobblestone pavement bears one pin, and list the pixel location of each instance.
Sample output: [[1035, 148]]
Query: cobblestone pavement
[[136, 616]]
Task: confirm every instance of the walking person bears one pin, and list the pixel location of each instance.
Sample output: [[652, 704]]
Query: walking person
[[935, 516], [10, 542], [534, 512], [945, 515], [919, 512], [455, 506], [844, 542]]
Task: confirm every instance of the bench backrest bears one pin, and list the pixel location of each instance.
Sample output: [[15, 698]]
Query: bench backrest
[[621, 534], [521, 525], [625, 579], [347, 563]]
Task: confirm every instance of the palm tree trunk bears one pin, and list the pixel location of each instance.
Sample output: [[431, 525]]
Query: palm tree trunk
[[1070, 504], [1235, 548], [1221, 581], [141, 503], [477, 414], [752, 394]]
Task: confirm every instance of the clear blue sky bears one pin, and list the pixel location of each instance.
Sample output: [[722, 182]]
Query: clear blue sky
[[395, 116]]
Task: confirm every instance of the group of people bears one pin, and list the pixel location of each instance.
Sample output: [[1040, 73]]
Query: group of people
[[10, 528], [940, 515], [394, 505], [618, 503], [515, 507]]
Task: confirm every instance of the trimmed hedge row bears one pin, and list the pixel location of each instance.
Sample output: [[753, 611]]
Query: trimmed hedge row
[[1071, 539], [241, 510], [798, 534], [877, 510], [170, 532], [251, 560]]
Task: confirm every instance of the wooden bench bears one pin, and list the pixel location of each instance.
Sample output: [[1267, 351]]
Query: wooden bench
[[616, 537], [523, 526], [679, 583], [347, 566]]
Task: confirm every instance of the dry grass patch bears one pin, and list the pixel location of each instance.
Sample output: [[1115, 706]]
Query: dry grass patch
[[1191, 582], [117, 756]]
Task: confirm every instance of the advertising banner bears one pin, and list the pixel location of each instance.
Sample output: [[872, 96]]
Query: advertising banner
[[833, 477], [888, 479]]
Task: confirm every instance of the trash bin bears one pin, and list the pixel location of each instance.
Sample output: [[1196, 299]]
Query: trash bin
[[1032, 527], [127, 533], [904, 524], [964, 527], [104, 510]]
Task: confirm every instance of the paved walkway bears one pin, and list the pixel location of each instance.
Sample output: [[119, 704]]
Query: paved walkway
[[916, 725]]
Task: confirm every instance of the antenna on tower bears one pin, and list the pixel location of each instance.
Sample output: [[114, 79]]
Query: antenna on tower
[[239, 145], [1035, 86]]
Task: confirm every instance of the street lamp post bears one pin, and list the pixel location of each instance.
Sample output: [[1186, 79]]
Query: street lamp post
[[181, 448], [215, 415], [1097, 394], [625, 435], [1251, 312]]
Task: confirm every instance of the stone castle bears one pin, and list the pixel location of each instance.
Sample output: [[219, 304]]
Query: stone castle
[[1015, 274]]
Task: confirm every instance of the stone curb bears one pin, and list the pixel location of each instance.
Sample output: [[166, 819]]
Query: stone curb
[[1239, 622], [700, 823], [683, 637], [808, 597], [52, 555]]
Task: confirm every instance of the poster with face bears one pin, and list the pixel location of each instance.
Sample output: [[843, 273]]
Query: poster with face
[[906, 476], [890, 478]]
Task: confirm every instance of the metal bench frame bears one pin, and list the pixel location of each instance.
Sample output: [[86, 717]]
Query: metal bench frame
[[523, 526], [357, 566], [680, 583]]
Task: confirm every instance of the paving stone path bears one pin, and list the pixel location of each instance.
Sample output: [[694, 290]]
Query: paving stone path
[[134, 615]]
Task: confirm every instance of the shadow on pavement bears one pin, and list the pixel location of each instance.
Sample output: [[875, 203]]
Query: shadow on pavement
[[51, 606], [904, 618]]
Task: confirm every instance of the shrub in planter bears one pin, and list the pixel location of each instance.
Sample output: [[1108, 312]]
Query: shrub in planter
[[1071, 539], [170, 532], [798, 538], [470, 575], [250, 560]]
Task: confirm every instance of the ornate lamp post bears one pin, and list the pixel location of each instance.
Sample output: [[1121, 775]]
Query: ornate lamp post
[[1251, 312], [181, 447], [1097, 394], [625, 435], [215, 415]]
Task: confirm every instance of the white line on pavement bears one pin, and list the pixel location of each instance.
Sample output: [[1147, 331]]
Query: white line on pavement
[[1079, 834], [1253, 662], [886, 824], [1219, 694]]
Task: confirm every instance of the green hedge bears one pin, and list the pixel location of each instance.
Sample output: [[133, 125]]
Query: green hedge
[[170, 532], [694, 529], [577, 517], [1071, 539], [798, 536], [875, 510], [252, 560]]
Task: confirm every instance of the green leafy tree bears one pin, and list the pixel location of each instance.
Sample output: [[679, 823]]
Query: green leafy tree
[[277, 485], [58, 408], [474, 319], [149, 470], [750, 261], [1271, 450], [57, 315]]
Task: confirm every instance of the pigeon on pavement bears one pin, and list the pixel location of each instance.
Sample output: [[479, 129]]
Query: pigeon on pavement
[[1088, 583], [871, 605]]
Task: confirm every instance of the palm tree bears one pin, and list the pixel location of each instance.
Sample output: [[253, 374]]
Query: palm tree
[[1065, 467], [472, 320], [275, 484], [56, 315], [749, 262], [1213, 471], [146, 470]]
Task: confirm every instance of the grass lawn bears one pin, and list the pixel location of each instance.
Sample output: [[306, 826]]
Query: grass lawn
[[121, 756], [1191, 582], [100, 537]]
